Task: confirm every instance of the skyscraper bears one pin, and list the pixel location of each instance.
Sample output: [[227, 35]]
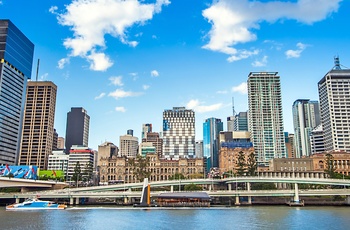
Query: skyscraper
[[179, 133], [334, 94], [146, 128], [128, 145], [38, 124], [306, 116], [211, 132], [77, 129], [265, 116], [16, 59], [240, 122]]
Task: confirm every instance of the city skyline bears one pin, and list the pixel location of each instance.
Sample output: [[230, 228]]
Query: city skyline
[[173, 55]]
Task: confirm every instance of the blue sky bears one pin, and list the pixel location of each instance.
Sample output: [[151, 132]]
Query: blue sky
[[127, 61]]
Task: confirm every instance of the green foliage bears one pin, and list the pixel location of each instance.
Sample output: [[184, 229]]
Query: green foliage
[[139, 167], [251, 165], [77, 176], [88, 171], [10, 190], [241, 164], [330, 167], [177, 176], [263, 186], [192, 187]]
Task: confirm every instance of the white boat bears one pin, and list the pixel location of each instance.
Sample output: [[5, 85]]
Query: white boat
[[35, 204]]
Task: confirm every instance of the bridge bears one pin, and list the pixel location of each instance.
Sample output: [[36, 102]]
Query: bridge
[[126, 192], [28, 184]]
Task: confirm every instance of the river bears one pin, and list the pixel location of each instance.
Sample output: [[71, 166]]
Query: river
[[244, 217]]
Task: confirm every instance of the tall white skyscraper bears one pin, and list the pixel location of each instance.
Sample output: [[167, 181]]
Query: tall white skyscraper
[[306, 117], [265, 116], [179, 133], [334, 94]]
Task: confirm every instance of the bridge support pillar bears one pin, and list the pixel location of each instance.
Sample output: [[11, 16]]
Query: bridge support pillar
[[172, 188], [296, 193], [229, 187], [17, 200], [237, 201], [126, 200], [77, 200], [71, 201], [249, 197]]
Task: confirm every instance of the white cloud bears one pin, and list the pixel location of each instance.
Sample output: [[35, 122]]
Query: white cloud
[[62, 62], [90, 26], [234, 22], [44, 77], [154, 73], [99, 61], [296, 53], [53, 9], [222, 92], [260, 63], [196, 106], [145, 87], [100, 96], [120, 109], [120, 93], [116, 80], [241, 88]]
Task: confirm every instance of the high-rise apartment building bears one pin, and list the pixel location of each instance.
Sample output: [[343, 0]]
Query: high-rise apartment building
[[306, 116], [38, 124], [128, 145], [265, 116], [290, 150], [334, 94], [179, 133], [77, 129], [211, 131], [16, 59]]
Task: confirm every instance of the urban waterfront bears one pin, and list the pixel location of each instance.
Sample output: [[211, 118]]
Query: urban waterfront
[[244, 217]]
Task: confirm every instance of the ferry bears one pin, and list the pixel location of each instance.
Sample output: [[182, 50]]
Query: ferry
[[35, 204]]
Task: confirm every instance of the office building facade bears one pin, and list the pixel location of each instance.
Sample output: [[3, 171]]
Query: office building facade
[[77, 129], [179, 133], [265, 116], [211, 130], [16, 59], [334, 94], [306, 116], [157, 142], [38, 124], [128, 145]]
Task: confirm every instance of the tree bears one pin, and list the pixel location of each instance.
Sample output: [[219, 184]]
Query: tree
[[77, 173], [192, 187], [330, 167], [241, 164], [251, 164], [177, 176], [88, 171], [139, 166]]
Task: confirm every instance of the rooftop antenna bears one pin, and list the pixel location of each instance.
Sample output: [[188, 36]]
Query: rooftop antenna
[[233, 106], [337, 65], [37, 69]]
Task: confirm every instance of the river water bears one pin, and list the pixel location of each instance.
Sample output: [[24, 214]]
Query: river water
[[244, 217]]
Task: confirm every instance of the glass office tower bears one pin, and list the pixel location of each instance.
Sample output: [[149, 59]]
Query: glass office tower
[[16, 59], [211, 132]]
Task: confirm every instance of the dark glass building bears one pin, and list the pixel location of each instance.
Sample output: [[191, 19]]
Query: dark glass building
[[16, 59], [77, 129]]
